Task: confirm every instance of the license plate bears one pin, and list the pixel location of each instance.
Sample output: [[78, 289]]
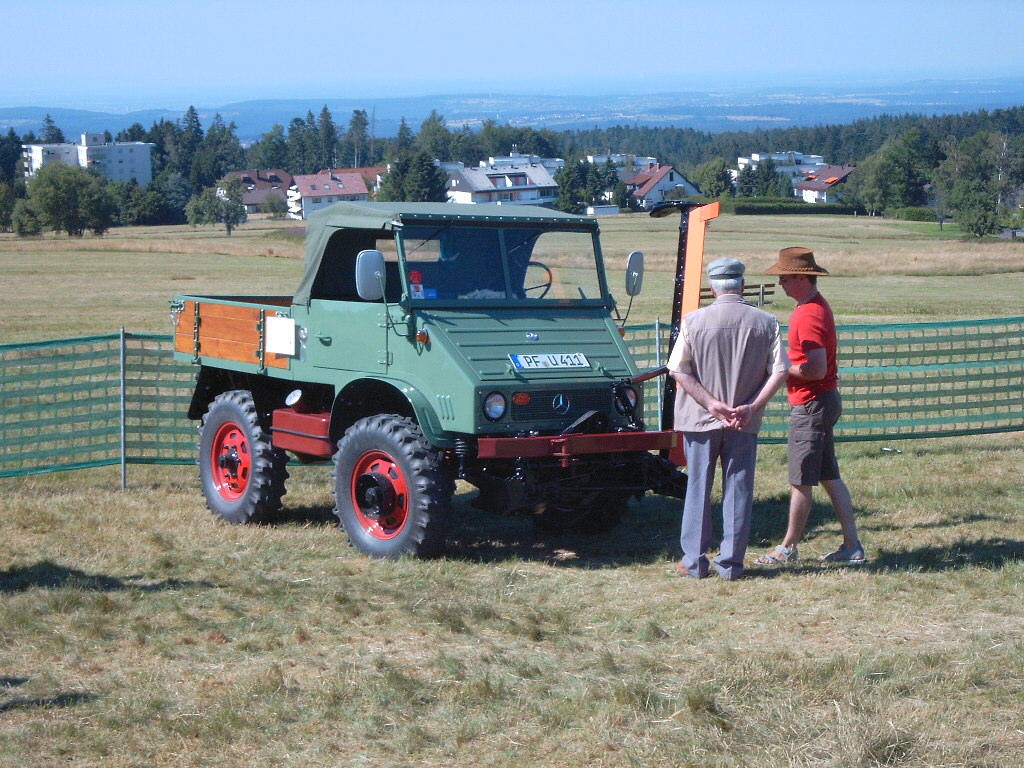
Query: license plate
[[559, 360]]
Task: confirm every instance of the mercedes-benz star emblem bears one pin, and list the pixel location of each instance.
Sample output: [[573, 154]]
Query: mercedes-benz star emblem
[[560, 403]]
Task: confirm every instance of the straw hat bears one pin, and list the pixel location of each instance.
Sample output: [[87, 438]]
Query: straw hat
[[796, 261]]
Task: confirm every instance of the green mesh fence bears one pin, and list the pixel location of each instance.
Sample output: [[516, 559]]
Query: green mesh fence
[[122, 399], [94, 401], [901, 381]]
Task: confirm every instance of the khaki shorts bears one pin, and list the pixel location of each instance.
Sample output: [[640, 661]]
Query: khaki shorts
[[812, 449]]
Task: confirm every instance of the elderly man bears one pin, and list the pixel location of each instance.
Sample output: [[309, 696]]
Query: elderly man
[[728, 361]]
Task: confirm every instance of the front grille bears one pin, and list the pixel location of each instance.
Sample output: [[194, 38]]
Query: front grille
[[542, 404]]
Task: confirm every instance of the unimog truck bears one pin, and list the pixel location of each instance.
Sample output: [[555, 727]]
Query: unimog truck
[[428, 343]]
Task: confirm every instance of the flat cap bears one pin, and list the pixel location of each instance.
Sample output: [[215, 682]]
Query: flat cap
[[726, 269]]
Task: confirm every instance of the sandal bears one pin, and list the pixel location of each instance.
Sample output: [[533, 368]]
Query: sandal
[[779, 556], [853, 556]]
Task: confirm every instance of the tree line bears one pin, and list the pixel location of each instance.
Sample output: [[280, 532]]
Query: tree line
[[970, 166]]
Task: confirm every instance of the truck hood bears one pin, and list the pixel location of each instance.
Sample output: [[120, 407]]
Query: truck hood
[[484, 340]]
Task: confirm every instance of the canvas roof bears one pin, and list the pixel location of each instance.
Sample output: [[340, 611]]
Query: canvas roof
[[374, 217]]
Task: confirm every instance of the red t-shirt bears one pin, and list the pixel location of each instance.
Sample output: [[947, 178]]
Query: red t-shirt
[[812, 326]]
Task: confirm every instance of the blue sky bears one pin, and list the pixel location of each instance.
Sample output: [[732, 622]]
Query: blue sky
[[116, 55]]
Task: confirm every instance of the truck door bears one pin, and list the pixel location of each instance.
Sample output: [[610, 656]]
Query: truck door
[[347, 335]]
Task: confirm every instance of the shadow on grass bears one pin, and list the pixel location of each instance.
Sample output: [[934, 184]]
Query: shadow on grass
[[50, 702], [986, 553], [307, 515], [648, 533], [48, 575]]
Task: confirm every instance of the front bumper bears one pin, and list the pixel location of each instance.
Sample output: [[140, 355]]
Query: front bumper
[[567, 447]]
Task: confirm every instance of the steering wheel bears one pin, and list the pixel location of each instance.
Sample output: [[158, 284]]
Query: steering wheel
[[544, 286]]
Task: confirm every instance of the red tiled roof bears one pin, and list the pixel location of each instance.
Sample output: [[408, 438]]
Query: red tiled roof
[[270, 178], [330, 183], [645, 181]]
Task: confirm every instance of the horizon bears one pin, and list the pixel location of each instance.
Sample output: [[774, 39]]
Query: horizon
[[495, 49]]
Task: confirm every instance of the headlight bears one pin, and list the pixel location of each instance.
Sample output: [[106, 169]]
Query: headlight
[[630, 394], [494, 406]]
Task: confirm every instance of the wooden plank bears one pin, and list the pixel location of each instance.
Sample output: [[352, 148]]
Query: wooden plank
[[277, 361], [229, 329], [223, 349], [183, 343], [230, 311]]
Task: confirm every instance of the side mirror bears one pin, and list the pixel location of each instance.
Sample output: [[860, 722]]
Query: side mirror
[[370, 275], [634, 273]]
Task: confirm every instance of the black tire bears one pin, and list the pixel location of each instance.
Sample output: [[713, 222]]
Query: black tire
[[242, 475], [392, 493], [581, 512]]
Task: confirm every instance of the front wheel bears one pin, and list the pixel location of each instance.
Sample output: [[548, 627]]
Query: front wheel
[[392, 493], [241, 473]]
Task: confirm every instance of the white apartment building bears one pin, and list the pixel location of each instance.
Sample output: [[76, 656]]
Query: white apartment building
[[795, 166], [115, 161], [621, 161], [502, 184]]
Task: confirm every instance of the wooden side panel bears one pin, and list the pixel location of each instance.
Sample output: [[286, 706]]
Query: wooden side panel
[[226, 331]]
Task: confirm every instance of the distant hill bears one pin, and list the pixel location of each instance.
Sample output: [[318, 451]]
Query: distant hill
[[732, 110]]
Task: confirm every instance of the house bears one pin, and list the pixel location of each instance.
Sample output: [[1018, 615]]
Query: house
[[313, 191], [115, 161], [501, 183], [795, 166], [515, 159], [372, 175], [820, 186], [651, 185], [258, 185]]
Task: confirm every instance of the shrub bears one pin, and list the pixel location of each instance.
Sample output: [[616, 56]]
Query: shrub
[[916, 214]]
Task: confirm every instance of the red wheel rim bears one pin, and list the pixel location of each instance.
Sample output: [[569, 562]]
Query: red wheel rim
[[230, 462], [380, 495]]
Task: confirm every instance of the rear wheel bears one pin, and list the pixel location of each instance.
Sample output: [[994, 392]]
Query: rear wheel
[[241, 473], [393, 495], [581, 511]]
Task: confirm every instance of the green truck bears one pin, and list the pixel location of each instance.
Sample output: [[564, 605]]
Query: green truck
[[428, 343]]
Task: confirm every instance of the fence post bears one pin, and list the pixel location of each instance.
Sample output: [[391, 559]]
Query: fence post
[[123, 381], [657, 364]]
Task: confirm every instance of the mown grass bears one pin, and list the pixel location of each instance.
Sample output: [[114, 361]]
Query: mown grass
[[882, 270], [139, 631], [135, 630]]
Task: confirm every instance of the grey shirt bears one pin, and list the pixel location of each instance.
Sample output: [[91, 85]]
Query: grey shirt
[[731, 348]]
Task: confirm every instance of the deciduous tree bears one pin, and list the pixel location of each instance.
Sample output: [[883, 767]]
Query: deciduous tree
[[72, 199], [713, 178], [221, 204]]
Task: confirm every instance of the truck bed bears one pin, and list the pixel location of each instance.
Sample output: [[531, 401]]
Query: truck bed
[[230, 328]]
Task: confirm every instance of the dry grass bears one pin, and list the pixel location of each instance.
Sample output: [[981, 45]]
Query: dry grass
[[135, 630], [881, 269]]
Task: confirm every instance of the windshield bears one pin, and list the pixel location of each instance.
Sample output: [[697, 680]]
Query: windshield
[[448, 262]]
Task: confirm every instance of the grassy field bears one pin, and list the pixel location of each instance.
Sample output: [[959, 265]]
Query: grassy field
[[135, 630]]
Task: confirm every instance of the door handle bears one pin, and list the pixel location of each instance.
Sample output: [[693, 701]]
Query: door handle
[[325, 340]]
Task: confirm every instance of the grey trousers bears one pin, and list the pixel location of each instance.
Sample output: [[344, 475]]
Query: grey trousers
[[737, 452]]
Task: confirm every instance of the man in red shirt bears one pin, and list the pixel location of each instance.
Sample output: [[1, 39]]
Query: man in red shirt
[[813, 389]]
